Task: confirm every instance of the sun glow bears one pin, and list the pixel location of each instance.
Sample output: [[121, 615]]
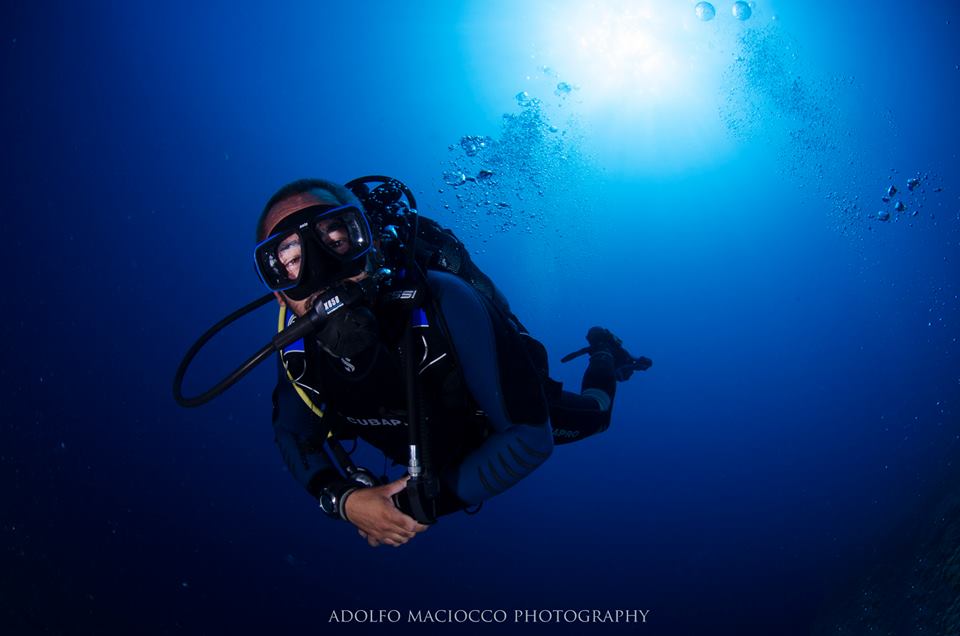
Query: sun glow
[[647, 73], [646, 82], [623, 53]]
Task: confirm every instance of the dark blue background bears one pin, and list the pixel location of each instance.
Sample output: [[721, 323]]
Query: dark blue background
[[800, 417]]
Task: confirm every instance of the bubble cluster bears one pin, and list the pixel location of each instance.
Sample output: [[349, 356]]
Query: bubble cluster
[[472, 144], [520, 180], [911, 200], [523, 98], [773, 98], [769, 96]]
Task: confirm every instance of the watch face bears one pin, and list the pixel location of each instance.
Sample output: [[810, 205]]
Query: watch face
[[328, 503]]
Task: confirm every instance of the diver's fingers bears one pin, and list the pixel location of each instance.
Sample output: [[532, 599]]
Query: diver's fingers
[[400, 521], [410, 524], [388, 533], [406, 534], [406, 522], [395, 532], [370, 540], [396, 540], [389, 490]]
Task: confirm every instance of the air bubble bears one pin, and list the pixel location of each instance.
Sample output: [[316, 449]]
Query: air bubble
[[705, 11]]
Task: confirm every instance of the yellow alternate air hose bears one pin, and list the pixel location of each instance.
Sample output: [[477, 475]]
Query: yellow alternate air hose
[[281, 324]]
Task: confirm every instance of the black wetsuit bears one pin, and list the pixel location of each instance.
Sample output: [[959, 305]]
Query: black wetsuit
[[493, 413]]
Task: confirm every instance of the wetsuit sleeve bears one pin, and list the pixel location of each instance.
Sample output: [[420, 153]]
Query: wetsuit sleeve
[[299, 435], [504, 382]]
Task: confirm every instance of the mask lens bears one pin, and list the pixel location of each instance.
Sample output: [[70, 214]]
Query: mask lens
[[280, 259], [343, 232]]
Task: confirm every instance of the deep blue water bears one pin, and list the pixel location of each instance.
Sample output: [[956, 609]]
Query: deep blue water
[[709, 191]]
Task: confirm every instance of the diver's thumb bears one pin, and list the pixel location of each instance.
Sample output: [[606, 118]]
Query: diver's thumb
[[396, 486]]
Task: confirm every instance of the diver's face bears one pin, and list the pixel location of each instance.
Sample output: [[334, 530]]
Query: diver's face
[[291, 251]]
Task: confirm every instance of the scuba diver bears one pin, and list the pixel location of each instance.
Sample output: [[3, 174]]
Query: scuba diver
[[389, 333]]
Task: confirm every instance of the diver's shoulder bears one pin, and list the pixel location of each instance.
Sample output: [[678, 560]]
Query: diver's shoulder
[[450, 288], [436, 277]]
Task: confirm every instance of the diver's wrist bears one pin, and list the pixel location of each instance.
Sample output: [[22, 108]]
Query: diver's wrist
[[342, 508], [332, 496]]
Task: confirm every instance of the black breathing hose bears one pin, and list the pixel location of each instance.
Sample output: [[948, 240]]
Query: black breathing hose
[[337, 298]]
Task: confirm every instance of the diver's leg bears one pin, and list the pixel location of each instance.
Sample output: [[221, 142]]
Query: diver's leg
[[574, 417], [600, 380]]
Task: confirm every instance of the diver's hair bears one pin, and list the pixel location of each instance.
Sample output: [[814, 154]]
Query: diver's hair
[[337, 192]]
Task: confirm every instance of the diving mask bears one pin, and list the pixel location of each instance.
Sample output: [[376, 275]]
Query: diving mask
[[313, 248]]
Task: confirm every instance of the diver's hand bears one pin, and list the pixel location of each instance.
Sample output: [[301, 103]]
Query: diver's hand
[[377, 518]]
